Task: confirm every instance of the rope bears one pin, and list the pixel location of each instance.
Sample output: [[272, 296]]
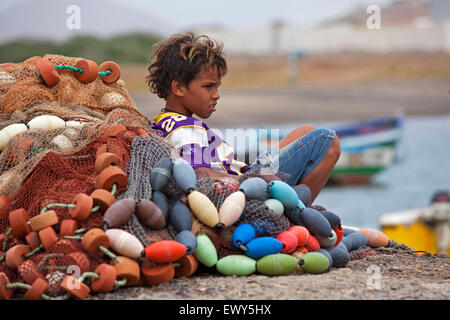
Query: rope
[[5, 244], [104, 73]]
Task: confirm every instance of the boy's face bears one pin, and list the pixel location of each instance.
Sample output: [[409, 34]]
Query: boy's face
[[201, 95]]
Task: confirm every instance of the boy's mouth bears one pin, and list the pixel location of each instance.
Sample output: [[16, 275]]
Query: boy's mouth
[[212, 107]]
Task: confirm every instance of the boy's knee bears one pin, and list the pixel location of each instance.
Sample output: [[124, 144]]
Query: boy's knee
[[335, 148]]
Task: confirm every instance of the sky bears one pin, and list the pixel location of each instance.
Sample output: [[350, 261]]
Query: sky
[[246, 13], [234, 14]]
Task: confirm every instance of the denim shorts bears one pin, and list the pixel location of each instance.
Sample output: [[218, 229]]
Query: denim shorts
[[299, 158]]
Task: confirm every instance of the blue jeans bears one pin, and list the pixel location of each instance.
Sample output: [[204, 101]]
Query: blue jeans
[[299, 158]]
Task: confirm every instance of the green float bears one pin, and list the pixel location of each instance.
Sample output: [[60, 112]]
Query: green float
[[206, 252], [314, 262], [276, 264], [236, 265]]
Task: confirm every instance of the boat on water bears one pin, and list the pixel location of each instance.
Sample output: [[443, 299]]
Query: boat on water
[[426, 229], [367, 147]]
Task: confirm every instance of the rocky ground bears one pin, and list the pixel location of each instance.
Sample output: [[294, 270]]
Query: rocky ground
[[372, 274]]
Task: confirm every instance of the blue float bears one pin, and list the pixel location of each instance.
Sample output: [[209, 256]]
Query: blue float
[[184, 175], [315, 222], [243, 234], [161, 201], [358, 240], [161, 174], [263, 246], [340, 256], [332, 218], [253, 188], [284, 193], [187, 238], [180, 217]]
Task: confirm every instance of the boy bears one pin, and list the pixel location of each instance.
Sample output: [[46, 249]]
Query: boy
[[186, 71]]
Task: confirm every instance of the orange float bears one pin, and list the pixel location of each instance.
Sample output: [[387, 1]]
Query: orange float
[[188, 265], [106, 159], [83, 207], [76, 288], [115, 72], [107, 277], [18, 221], [90, 70], [102, 198], [14, 256], [33, 240], [37, 289], [44, 220], [5, 294], [128, 269], [165, 251], [47, 71], [154, 275], [48, 237], [93, 239], [109, 176], [68, 227]]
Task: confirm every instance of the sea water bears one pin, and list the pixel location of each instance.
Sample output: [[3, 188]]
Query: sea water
[[422, 169]]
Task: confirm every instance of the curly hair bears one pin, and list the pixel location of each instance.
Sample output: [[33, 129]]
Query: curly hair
[[182, 57]]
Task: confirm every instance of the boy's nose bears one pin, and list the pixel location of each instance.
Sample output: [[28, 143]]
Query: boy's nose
[[216, 95]]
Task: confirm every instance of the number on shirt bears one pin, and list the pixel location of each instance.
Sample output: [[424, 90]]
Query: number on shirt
[[169, 123]]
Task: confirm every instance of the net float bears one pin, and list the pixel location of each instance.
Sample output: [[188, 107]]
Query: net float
[[5, 293], [75, 287], [180, 217], [339, 234], [236, 265], [312, 244], [165, 251], [289, 241], [161, 174], [275, 205], [94, 238], [231, 209], [114, 72], [89, 73], [128, 269], [243, 234], [28, 271], [106, 159], [206, 252], [187, 238], [84, 204], [33, 240], [263, 246], [253, 188], [315, 222], [62, 143], [113, 99], [358, 240], [326, 242], [314, 262], [150, 214], [303, 193], [109, 176], [8, 132], [276, 264], [102, 198], [347, 242], [14, 255], [333, 219], [48, 237], [375, 238], [188, 264], [47, 71], [340, 256], [184, 175], [284, 193], [47, 121], [124, 243], [202, 207], [155, 275], [161, 201], [6, 80], [265, 196], [326, 254], [119, 212], [44, 220], [18, 221], [75, 124], [106, 280], [301, 233]]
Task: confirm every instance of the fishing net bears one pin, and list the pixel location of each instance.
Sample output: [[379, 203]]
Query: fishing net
[[40, 168]]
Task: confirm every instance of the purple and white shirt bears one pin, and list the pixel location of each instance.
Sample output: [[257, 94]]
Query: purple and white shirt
[[198, 144]]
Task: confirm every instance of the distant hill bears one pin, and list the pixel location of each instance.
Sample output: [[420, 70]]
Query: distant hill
[[134, 48], [46, 20]]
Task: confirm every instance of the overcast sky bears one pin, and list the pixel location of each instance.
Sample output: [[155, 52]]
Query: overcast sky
[[240, 13], [247, 13]]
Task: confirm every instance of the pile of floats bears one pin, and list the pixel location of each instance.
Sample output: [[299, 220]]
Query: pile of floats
[[313, 244]]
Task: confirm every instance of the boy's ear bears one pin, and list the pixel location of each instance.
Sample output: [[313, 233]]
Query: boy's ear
[[178, 88]]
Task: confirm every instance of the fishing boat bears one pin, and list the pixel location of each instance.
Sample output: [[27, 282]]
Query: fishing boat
[[426, 229], [366, 149]]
